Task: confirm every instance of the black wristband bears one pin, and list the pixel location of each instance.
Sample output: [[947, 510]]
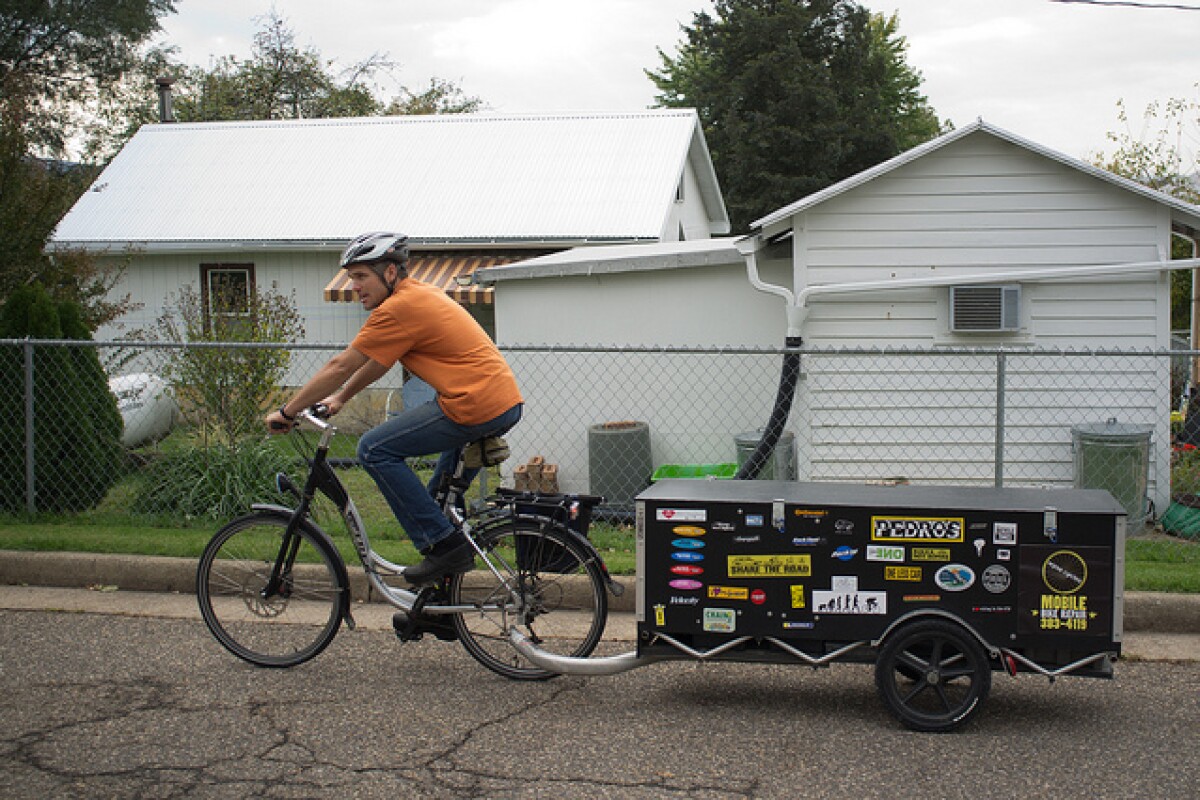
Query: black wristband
[[284, 414]]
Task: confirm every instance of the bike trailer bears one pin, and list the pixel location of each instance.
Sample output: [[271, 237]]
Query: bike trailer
[[937, 586], [784, 571]]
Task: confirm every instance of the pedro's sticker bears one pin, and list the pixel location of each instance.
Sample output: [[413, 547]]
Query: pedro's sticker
[[916, 529]]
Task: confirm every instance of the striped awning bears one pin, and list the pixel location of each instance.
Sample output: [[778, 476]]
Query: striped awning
[[444, 269]]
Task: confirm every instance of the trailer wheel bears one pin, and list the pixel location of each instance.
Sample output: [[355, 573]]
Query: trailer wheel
[[933, 675]]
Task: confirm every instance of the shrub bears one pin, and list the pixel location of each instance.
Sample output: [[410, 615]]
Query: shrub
[[219, 481], [225, 391], [77, 432]]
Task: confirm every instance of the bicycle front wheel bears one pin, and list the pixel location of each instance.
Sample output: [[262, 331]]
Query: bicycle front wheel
[[559, 603], [278, 625]]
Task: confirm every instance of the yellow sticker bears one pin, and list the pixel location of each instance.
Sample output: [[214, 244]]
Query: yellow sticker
[[660, 616], [778, 566], [688, 530], [798, 596], [902, 573], [931, 554], [729, 592]]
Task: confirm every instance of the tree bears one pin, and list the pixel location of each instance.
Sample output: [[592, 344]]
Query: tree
[[1158, 157], [794, 95], [56, 57], [56, 60], [282, 80], [442, 97]]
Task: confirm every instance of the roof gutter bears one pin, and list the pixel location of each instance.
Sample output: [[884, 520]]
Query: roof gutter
[[797, 302]]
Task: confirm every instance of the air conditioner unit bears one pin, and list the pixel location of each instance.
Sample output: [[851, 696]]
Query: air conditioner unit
[[985, 309]]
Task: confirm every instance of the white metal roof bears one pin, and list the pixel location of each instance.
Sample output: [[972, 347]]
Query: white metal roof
[[618, 258], [1189, 214], [469, 178]]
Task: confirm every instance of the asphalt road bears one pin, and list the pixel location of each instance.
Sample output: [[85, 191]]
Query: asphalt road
[[107, 705]]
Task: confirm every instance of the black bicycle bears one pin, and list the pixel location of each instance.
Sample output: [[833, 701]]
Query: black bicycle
[[274, 589]]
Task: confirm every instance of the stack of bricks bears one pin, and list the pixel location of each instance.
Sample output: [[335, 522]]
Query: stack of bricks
[[536, 476]]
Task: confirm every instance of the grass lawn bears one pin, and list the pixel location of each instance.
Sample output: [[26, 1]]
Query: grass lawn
[[1154, 562]]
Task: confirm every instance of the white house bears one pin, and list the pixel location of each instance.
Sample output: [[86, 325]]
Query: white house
[[980, 215], [235, 205]]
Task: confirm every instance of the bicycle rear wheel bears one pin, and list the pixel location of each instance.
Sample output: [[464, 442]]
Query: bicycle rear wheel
[[280, 628], [563, 606]]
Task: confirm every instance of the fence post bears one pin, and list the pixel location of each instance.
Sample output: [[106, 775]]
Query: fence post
[[30, 481], [1001, 368]]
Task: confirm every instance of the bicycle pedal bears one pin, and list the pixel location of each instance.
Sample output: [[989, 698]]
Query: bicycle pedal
[[411, 628]]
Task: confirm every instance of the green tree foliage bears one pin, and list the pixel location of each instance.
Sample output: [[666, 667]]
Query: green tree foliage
[[77, 432], [794, 95], [1158, 157], [441, 97], [57, 56], [224, 391], [282, 80], [56, 60]]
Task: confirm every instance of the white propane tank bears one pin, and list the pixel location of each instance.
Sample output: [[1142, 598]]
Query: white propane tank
[[146, 406]]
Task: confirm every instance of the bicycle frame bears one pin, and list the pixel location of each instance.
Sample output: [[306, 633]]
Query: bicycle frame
[[321, 478]]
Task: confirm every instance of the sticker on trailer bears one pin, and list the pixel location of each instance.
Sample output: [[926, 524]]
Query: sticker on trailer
[[1004, 533], [931, 554], [720, 620], [844, 553], [681, 515], [686, 585], [797, 592], [688, 544], [883, 552], [777, 566], [902, 573], [728, 593], [917, 529], [831, 602], [996, 579], [688, 530], [1064, 571], [955, 577]]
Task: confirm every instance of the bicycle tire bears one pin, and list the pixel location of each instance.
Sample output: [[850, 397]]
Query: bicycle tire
[[287, 628], [562, 589]]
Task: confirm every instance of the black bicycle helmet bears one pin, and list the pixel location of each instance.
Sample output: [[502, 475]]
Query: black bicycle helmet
[[376, 251]]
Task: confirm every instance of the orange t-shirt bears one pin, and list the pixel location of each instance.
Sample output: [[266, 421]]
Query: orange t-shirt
[[438, 341]]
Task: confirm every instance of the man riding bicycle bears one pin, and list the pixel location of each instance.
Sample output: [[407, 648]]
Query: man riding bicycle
[[434, 338]]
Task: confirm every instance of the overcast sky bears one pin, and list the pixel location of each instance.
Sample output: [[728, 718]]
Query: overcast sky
[[1051, 72]]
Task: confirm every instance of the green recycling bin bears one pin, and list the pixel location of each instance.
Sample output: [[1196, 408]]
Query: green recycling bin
[[1115, 456]]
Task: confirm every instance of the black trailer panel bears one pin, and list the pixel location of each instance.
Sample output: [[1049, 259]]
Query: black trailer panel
[[1036, 572]]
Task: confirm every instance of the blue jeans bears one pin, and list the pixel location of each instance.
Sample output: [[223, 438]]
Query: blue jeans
[[420, 431]]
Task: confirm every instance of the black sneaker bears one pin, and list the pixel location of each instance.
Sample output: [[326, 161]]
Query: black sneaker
[[460, 558], [410, 627]]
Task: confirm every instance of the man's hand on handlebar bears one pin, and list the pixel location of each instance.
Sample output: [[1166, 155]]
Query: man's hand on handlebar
[[278, 423], [331, 405]]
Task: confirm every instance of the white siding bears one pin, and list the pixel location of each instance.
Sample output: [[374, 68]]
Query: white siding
[[981, 204], [152, 280], [694, 406]]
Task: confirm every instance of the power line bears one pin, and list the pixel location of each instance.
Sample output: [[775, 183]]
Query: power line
[[1133, 4]]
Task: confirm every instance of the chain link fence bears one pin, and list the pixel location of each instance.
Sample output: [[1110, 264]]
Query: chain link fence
[[610, 420]]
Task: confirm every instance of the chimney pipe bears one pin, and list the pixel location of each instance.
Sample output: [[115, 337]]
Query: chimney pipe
[[165, 112]]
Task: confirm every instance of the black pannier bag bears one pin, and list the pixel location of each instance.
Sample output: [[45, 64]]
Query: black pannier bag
[[571, 511]]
